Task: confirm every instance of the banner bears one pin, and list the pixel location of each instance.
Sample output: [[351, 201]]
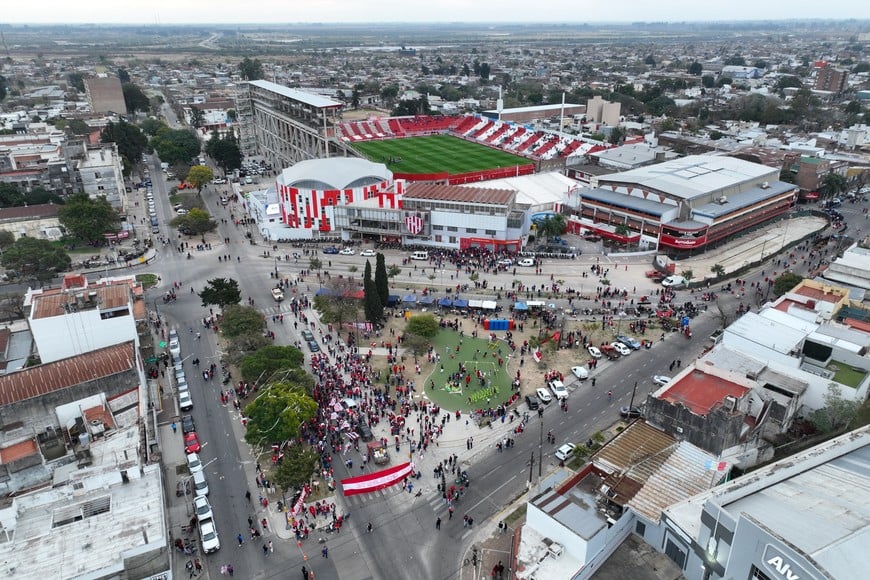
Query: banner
[[300, 503], [377, 480]]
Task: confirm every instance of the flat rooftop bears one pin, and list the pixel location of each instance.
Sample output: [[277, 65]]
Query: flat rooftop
[[701, 392]]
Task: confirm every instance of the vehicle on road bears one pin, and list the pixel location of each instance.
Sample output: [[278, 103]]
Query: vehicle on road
[[330, 250], [194, 463], [185, 403], [559, 390], [191, 443], [610, 352], [620, 348], [202, 508], [594, 352], [628, 341], [187, 424], [533, 402], [378, 452], [307, 335], [313, 346], [365, 432], [200, 485], [674, 282], [544, 396], [277, 294], [526, 262], [655, 275], [219, 181], [565, 451], [632, 413], [506, 262], [420, 255], [581, 373], [367, 253], [208, 533], [174, 346], [347, 252], [661, 380]]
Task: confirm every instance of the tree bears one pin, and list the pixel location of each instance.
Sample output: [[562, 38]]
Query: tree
[[220, 292], [197, 117], [649, 60], [708, 81], [277, 413], [718, 270], [735, 61], [416, 344], [77, 81], [785, 282], [688, 275], [195, 222], [123, 75], [199, 175], [11, 196], [150, 126], [175, 145], [423, 325], [381, 279], [834, 184], [4, 84], [260, 366], [837, 412], [484, 71], [88, 219], [34, 258], [134, 99], [392, 271], [78, 127], [337, 305], [251, 70], [374, 309], [240, 346], [296, 468], [7, 238], [695, 69], [130, 140], [225, 152]]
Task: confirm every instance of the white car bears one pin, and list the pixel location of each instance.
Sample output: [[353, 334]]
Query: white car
[[210, 541], [347, 252], [174, 347], [581, 373], [506, 262], [565, 451], [200, 485], [367, 253], [185, 403], [544, 396], [194, 463], [594, 352], [526, 262], [661, 380], [202, 508], [559, 390], [219, 181], [620, 348]]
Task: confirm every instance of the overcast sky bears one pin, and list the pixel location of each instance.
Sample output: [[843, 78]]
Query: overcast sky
[[278, 11]]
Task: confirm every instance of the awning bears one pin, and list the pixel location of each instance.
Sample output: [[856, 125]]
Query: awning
[[445, 302], [460, 303], [475, 303], [489, 305], [535, 303], [392, 300], [410, 298], [520, 306], [427, 300]]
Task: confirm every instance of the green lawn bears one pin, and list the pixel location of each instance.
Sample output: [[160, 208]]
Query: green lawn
[[436, 153], [846, 375], [497, 389]]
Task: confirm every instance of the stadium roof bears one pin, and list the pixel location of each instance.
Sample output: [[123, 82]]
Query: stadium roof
[[533, 109], [297, 95], [626, 201], [741, 200], [481, 195], [693, 176], [533, 189], [334, 173]]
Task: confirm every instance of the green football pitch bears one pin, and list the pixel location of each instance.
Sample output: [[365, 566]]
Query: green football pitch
[[436, 154]]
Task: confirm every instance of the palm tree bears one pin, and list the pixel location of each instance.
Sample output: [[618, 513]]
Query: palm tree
[[718, 270], [834, 184]]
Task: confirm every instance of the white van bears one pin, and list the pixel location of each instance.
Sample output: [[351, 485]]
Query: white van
[[420, 256], [674, 282]]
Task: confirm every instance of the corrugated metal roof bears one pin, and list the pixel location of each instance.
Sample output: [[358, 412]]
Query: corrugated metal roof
[[47, 378], [682, 475], [636, 452], [108, 297], [297, 95], [435, 192]]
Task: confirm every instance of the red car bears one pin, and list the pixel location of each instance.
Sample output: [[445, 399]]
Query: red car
[[191, 443]]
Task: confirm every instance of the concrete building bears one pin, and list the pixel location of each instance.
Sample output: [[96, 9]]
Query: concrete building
[[101, 174], [830, 79], [851, 269], [32, 161], [683, 205], [602, 112], [105, 95], [34, 221], [80, 317], [536, 113], [631, 156]]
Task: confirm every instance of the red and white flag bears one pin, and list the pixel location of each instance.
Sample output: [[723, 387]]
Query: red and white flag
[[377, 480]]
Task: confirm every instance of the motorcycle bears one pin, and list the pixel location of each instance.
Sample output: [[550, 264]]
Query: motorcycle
[[182, 488]]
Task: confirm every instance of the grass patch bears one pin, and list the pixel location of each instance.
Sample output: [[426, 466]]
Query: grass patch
[[516, 515], [74, 248], [147, 280], [845, 374], [478, 355], [436, 154]]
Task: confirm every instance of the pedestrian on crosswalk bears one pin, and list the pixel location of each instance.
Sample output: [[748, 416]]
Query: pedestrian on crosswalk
[[438, 524]]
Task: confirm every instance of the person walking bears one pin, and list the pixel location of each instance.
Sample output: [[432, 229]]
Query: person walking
[[324, 553], [174, 427], [241, 539], [369, 528], [438, 524], [304, 573]]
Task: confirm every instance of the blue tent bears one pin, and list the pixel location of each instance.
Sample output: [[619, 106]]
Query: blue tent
[[323, 292], [445, 302], [392, 300], [410, 298], [460, 303], [426, 300], [520, 306]]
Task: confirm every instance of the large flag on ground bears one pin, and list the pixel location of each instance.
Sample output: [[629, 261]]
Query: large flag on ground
[[377, 480]]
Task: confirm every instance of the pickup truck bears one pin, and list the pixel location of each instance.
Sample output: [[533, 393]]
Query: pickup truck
[[277, 294], [655, 275], [609, 352]]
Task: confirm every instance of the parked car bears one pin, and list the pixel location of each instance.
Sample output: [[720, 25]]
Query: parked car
[[219, 181], [185, 403], [594, 352], [581, 373], [202, 508], [661, 380], [367, 253], [533, 402], [526, 262], [347, 252], [191, 443], [559, 390], [631, 413], [330, 250], [187, 424], [628, 341], [565, 451], [610, 352], [620, 348], [200, 485], [674, 282], [208, 533], [544, 396], [506, 262], [174, 346], [194, 463]]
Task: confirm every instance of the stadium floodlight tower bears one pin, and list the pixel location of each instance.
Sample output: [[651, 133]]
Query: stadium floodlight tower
[[499, 104]]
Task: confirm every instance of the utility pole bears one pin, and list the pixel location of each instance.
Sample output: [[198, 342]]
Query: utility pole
[[541, 448], [631, 402], [531, 467]]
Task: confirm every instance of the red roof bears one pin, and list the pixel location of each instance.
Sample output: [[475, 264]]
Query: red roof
[[701, 392]]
